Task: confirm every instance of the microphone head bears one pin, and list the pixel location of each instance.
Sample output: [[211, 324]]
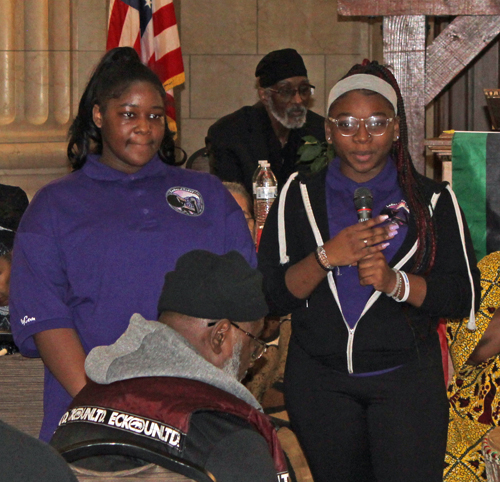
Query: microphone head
[[363, 202]]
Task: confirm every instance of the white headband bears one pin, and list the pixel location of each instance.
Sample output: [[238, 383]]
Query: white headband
[[363, 81]]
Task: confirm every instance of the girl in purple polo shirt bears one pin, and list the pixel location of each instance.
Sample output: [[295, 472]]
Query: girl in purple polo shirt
[[364, 384], [94, 246]]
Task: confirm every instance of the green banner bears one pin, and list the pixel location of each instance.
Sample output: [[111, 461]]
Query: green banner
[[469, 183]]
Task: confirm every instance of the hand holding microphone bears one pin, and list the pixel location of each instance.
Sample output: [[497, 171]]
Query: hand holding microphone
[[363, 202], [372, 268], [363, 239]]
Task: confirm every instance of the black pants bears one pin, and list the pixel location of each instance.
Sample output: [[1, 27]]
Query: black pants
[[385, 428]]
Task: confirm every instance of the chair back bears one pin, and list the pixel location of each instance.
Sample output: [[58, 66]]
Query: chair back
[[21, 392], [147, 473], [296, 458], [174, 466], [199, 161]]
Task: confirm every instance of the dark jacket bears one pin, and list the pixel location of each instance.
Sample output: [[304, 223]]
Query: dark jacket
[[184, 418], [239, 140], [389, 333], [178, 402]]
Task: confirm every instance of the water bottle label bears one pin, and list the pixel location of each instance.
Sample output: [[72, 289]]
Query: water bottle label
[[269, 192]]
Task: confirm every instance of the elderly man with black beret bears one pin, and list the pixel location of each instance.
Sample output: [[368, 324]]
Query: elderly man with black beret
[[179, 377], [272, 129]]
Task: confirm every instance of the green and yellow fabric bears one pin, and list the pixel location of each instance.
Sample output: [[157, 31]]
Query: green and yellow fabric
[[474, 406]]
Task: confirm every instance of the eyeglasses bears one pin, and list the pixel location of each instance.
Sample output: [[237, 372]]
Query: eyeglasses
[[260, 346], [348, 126], [287, 93]]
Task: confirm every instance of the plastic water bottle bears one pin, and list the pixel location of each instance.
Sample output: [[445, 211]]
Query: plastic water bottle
[[254, 178], [266, 190]]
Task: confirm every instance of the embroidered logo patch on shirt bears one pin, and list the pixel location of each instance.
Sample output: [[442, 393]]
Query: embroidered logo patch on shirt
[[27, 319], [185, 201], [397, 212]]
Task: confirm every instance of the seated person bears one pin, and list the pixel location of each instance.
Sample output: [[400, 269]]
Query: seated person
[[6, 243], [179, 377], [272, 129], [473, 390], [26, 459], [13, 203], [244, 201], [266, 371]]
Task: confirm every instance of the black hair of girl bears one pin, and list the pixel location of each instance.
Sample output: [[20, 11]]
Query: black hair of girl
[[117, 70], [408, 178]]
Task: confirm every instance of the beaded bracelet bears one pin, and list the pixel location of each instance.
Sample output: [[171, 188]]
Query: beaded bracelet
[[407, 288], [400, 288], [322, 259], [397, 286]]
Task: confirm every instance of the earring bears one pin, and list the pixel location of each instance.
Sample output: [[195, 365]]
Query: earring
[[329, 139]]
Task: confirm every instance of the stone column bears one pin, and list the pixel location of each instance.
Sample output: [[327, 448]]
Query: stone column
[[47, 50]]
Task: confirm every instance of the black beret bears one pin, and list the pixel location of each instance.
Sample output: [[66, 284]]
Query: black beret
[[13, 203], [212, 286], [279, 65], [6, 241]]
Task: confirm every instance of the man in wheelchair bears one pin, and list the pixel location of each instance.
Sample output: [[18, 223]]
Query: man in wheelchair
[[173, 385]]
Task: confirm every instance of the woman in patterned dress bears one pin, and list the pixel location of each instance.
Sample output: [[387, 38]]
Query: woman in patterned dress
[[474, 406]]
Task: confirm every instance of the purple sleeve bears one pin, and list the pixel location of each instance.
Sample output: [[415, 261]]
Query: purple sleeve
[[38, 285]]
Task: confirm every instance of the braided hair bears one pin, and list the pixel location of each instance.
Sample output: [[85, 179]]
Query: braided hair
[[408, 178], [117, 71]]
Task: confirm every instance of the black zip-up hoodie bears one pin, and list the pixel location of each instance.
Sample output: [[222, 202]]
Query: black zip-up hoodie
[[389, 333]]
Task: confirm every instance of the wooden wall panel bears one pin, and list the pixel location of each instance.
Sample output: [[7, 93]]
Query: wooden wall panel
[[404, 53], [418, 7], [461, 105], [454, 48]]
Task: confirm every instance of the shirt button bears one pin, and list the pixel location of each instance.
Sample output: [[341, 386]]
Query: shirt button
[[145, 211], [140, 192]]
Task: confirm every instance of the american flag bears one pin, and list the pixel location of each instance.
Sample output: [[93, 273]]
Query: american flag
[[150, 27]]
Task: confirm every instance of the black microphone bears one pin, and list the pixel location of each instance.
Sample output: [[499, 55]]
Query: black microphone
[[363, 201]]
